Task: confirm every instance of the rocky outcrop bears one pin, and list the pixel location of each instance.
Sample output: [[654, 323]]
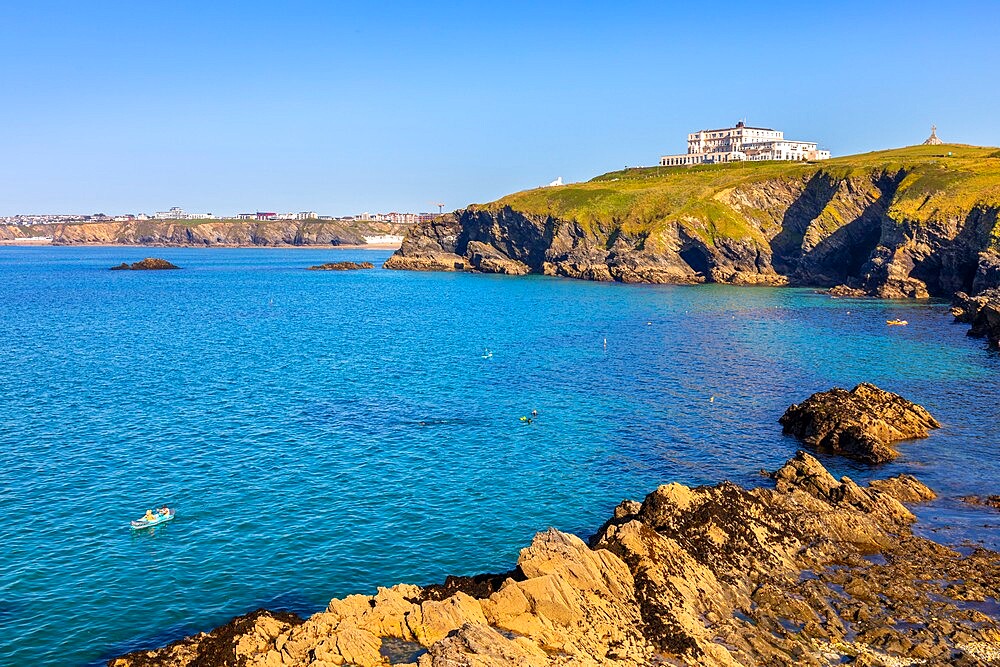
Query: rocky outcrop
[[986, 501], [842, 291], [860, 229], [148, 264], [860, 424], [342, 266], [225, 646], [982, 312], [815, 571], [233, 233]]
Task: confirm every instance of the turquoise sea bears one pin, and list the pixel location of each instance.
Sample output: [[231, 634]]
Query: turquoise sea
[[324, 433]]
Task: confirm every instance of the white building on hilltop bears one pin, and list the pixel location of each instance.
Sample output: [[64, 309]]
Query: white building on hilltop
[[177, 213], [736, 144]]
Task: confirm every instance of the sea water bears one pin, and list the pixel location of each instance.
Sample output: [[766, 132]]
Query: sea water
[[324, 433]]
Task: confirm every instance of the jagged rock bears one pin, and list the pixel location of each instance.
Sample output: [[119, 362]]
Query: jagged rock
[[342, 266], [987, 272], [226, 646], [982, 312], [860, 423], [846, 291], [815, 571], [431, 246], [988, 501], [904, 488], [148, 264]]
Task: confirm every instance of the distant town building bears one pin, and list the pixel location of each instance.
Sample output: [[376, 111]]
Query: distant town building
[[933, 139], [306, 215], [742, 143], [266, 215], [177, 213]]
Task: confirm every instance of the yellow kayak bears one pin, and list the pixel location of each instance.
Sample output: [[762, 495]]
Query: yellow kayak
[[896, 323]]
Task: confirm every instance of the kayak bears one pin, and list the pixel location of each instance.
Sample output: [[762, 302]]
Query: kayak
[[896, 323], [155, 521]]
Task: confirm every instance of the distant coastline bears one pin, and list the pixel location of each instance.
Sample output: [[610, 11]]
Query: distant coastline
[[212, 233], [317, 246]]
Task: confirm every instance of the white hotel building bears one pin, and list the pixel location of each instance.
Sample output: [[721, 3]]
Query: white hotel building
[[736, 144]]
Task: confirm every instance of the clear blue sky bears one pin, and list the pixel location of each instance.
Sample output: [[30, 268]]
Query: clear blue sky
[[378, 106]]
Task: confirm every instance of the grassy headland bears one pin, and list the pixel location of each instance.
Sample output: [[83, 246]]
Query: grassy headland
[[939, 181]]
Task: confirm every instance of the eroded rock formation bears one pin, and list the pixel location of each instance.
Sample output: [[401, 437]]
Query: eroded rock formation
[[148, 264], [815, 571], [860, 423], [982, 312]]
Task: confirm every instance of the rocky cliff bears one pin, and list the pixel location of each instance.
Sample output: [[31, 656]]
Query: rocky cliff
[[914, 222], [815, 571], [223, 232], [14, 232]]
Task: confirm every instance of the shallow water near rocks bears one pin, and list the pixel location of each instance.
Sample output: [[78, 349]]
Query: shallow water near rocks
[[324, 433]]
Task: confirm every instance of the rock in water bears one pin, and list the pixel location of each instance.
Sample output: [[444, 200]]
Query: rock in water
[[987, 501], [847, 291], [148, 264], [859, 424], [342, 266]]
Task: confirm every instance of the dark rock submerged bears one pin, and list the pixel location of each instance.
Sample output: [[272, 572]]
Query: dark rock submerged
[[342, 266], [815, 571], [860, 424], [148, 264]]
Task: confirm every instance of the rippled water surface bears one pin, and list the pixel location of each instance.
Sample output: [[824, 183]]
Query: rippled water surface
[[322, 433]]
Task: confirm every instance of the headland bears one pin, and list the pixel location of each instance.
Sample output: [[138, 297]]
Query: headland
[[912, 222]]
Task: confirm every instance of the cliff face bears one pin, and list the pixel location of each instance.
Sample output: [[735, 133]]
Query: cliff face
[[906, 223], [223, 233], [14, 232]]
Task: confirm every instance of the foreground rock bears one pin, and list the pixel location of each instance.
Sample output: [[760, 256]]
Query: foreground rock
[[243, 635], [982, 312], [859, 424], [815, 571], [148, 264], [342, 266]]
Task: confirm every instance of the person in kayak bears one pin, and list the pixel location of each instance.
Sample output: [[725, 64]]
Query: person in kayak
[[149, 516], [164, 511]]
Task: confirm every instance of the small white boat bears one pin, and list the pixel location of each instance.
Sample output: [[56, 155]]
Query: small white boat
[[158, 518]]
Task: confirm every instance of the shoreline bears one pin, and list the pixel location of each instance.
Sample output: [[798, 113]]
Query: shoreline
[[368, 246], [716, 576]]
